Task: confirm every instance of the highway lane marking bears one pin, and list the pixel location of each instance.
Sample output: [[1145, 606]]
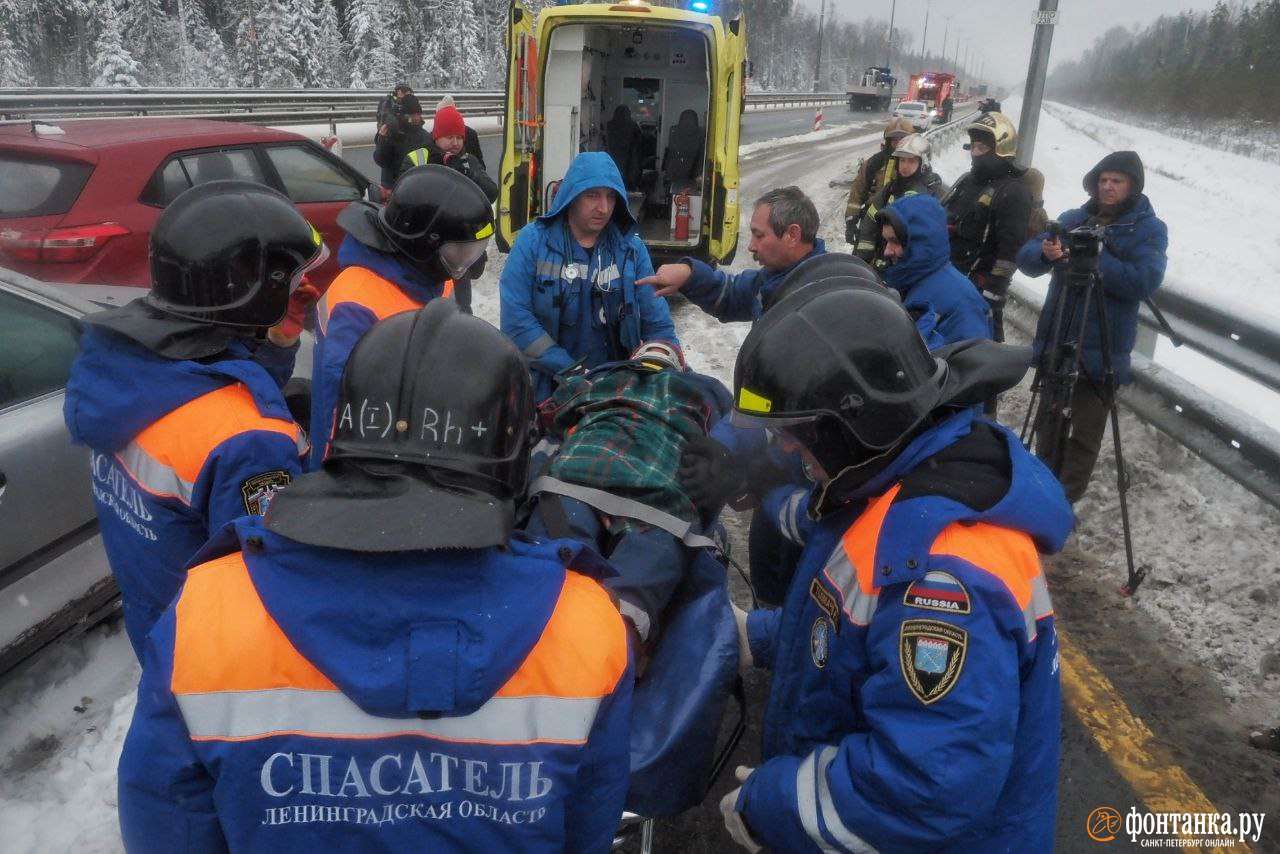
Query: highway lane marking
[[1162, 786]]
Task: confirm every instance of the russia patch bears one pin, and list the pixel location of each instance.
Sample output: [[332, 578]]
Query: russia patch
[[931, 655], [258, 490], [938, 591]]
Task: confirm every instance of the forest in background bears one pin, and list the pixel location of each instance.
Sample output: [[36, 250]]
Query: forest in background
[[433, 44], [1203, 66]]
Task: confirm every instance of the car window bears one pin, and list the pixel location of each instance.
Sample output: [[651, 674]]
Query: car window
[[309, 177], [31, 187], [37, 345], [911, 105], [184, 171]]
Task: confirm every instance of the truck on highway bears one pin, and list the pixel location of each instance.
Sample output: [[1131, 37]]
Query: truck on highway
[[936, 89], [874, 89], [678, 73]]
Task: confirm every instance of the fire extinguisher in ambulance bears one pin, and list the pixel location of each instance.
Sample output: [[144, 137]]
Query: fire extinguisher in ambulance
[[682, 216]]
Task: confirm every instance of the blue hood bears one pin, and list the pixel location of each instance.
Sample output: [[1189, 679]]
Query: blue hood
[[413, 631], [416, 284], [589, 170], [118, 387], [921, 224]]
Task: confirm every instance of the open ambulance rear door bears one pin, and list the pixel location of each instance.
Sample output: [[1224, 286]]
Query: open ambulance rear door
[[522, 125]]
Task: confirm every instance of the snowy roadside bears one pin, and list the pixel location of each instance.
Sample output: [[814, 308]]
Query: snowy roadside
[[1215, 583]]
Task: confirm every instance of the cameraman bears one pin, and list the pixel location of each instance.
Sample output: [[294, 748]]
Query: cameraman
[[402, 133], [1131, 265]]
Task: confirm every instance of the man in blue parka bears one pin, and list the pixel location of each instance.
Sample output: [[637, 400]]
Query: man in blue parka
[[784, 232], [917, 252], [1132, 265], [178, 394], [379, 665], [568, 292], [915, 699]]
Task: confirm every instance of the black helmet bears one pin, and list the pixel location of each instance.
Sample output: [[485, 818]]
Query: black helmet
[[436, 217], [843, 369], [229, 253], [849, 270], [418, 458]]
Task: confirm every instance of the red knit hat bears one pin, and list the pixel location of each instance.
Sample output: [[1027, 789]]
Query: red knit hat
[[448, 122]]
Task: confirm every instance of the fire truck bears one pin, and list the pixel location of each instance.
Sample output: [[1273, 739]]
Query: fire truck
[[936, 89], [679, 74]]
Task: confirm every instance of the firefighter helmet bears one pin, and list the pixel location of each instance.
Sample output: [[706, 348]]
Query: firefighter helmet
[[996, 130], [418, 459], [897, 128], [914, 145], [843, 369], [847, 270], [229, 253]]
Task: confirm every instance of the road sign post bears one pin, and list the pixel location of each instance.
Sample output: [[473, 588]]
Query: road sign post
[[1045, 18]]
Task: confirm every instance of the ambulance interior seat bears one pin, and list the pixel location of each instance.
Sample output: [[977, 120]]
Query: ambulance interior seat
[[682, 161]]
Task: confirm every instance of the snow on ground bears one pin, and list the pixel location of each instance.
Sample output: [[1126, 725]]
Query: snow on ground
[[1215, 580]]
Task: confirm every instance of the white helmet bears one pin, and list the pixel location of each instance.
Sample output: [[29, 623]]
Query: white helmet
[[659, 354], [914, 145]]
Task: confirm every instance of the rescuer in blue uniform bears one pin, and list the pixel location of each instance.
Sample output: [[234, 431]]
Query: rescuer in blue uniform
[[178, 394], [915, 697], [378, 665], [569, 294]]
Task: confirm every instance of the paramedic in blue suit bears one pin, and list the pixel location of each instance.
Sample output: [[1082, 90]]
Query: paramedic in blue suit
[[915, 697], [568, 291]]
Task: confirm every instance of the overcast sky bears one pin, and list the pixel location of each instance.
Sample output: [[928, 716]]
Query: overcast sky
[[1002, 30]]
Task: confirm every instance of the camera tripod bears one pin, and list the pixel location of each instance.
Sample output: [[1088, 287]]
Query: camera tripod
[[1049, 413]]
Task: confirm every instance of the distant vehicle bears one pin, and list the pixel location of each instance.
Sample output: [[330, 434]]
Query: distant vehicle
[[989, 105], [936, 89], [915, 112], [681, 76], [874, 90], [80, 197], [54, 574]]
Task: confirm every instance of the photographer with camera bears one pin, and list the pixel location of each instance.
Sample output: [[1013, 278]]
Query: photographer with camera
[[1117, 238], [402, 133]]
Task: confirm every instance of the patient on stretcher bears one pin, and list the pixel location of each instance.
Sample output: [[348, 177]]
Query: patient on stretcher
[[622, 428]]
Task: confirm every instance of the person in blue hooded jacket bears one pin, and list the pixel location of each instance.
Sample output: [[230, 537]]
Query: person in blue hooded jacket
[[569, 299], [915, 698], [784, 232], [379, 664], [395, 258], [178, 394], [917, 254], [1132, 265]]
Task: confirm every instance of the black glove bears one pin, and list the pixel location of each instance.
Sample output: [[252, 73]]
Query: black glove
[[709, 474], [851, 230], [459, 162]]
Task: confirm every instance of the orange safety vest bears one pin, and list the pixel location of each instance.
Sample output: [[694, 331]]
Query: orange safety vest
[[366, 288], [238, 677], [1009, 555]]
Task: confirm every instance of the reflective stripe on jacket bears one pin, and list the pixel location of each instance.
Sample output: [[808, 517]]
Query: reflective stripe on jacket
[[241, 742], [915, 699], [357, 299], [180, 480]]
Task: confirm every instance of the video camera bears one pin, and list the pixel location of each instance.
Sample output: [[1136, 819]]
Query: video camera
[[1082, 244]]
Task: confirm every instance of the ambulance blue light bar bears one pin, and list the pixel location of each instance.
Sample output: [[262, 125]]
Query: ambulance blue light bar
[[703, 6]]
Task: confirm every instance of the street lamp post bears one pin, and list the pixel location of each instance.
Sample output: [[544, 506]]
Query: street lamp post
[[817, 68], [946, 28], [893, 11], [924, 39], [1034, 93]]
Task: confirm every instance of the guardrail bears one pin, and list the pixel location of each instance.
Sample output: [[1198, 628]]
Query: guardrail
[[275, 106], [1234, 442]]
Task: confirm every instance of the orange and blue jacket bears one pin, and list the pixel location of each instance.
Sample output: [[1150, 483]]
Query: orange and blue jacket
[[372, 286], [178, 448], [298, 699], [915, 699]]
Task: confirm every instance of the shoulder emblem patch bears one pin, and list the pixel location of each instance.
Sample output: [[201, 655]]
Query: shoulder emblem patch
[[258, 490], [931, 654], [820, 641], [825, 599], [938, 591]]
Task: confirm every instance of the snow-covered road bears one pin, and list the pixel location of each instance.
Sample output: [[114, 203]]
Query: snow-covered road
[[1215, 583]]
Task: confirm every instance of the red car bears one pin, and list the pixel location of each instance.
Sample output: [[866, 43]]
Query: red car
[[78, 200]]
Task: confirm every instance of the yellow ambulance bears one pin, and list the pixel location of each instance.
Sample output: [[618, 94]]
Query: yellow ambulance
[[660, 89]]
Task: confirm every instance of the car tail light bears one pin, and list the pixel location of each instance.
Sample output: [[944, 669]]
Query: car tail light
[[58, 245]]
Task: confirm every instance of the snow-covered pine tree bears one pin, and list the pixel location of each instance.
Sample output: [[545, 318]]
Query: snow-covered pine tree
[[203, 56], [14, 70], [150, 34], [332, 59], [113, 65], [371, 26]]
